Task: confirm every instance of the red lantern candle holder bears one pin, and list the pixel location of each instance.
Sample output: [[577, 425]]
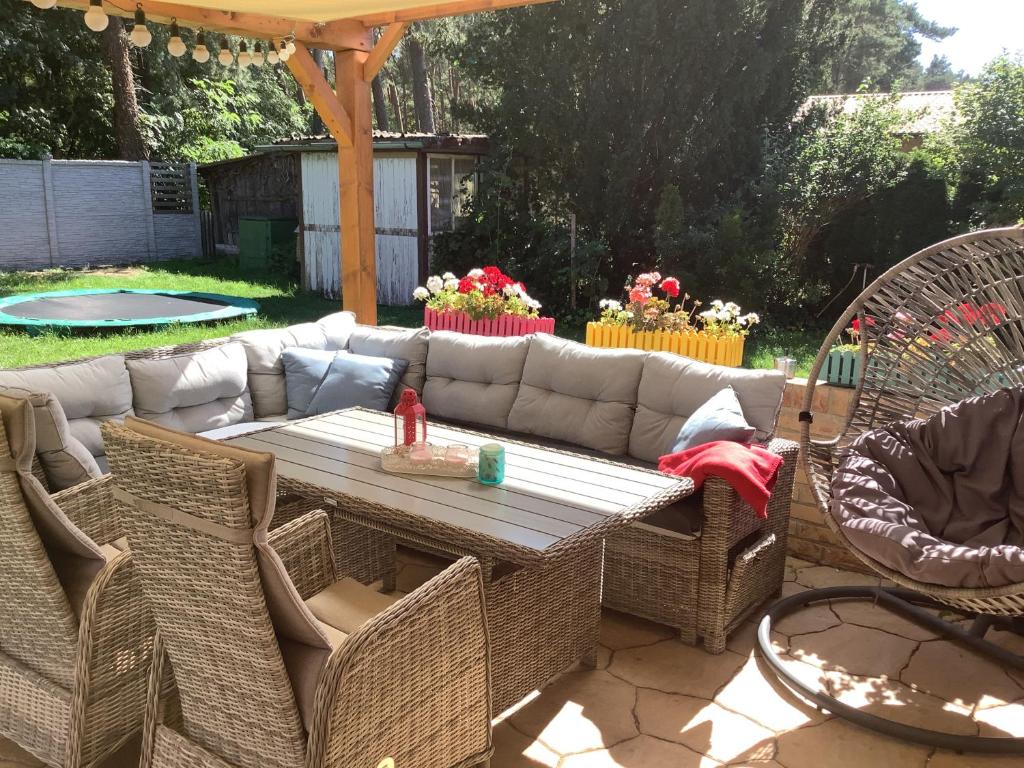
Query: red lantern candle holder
[[410, 420]]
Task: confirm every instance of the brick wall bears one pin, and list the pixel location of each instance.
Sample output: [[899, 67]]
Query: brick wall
[[809, 537]]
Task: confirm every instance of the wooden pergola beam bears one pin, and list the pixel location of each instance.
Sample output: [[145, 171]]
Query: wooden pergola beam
[[313, 83], [345, 34], [378, 57], [440, 10]]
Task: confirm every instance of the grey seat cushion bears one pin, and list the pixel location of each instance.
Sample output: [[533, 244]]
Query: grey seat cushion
[[940, 500], [263, 350], [409, 344], [673, 387], [578, 394], [474, 378], [90, 392], [65, 461], [194, 392]]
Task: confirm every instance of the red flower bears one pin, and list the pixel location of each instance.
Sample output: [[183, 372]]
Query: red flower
[[670, 286], [639, 294], [467, 285]]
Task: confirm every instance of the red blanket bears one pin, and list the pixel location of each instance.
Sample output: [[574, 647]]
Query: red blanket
[[749, 469]]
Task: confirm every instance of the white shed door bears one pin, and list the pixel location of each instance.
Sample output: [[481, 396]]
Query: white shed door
[[394, 188]]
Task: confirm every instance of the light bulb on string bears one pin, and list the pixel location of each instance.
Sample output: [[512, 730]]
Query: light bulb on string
[[96, 18], [272, 57], [225, 57], [291, 47], [140, 36], [257, 54], [283, 53], [201, 54], [176, 46], [244, 57], [44, 4]]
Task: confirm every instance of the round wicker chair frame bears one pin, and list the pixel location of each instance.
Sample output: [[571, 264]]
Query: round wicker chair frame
[[943, 325]]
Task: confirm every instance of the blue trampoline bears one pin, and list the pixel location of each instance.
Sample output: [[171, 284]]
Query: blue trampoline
[[120, 308]]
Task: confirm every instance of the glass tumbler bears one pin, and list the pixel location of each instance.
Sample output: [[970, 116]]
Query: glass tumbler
[[491, 469]]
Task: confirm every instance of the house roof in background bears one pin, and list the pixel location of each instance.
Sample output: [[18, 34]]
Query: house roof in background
[[383, 140], [926, 110]]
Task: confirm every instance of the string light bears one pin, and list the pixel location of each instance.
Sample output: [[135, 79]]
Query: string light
[[96, 18], [257, 54], [272, 57], [176, 46], [140, 36], [225, 57], [44, 4], [291, 47], [283, 54], [244, 57], [201, 54]]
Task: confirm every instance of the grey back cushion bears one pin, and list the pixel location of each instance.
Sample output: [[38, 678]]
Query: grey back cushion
[[263, 352], [578, 394], [90, 392], [65, 461], [193, 392], [474, 379], [304, 372], [673, 387], [409, 344]]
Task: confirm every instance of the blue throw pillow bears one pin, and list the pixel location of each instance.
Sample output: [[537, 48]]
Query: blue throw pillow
[[720, 418], [357, 380], [304, 372]]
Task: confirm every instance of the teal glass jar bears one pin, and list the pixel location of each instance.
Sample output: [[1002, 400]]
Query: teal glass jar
[[491, 468]]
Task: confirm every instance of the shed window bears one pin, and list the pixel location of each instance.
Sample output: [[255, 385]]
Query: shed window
[[451, 183]]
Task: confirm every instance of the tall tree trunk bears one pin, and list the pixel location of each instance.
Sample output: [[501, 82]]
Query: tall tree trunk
[[127, 122], [422, 98], [316, 123], [396, 106], [380, 107]]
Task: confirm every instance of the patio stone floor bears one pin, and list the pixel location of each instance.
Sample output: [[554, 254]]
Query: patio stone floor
[[654, 702]]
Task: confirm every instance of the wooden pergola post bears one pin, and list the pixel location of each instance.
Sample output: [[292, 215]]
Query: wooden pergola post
[[355, 187]]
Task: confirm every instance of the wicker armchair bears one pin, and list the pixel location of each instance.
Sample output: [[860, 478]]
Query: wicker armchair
[[261, 682], [941, 326], [75, 634], [704, 585]]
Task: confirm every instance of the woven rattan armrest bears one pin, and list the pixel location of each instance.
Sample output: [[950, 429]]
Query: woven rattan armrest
[[304, 546], [420, 669], [91, 506], [115, 650]]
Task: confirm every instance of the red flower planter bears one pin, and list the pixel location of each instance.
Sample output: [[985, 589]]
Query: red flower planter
[[506, 325]]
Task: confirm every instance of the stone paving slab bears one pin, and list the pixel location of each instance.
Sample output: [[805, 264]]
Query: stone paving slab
[[653, 702]]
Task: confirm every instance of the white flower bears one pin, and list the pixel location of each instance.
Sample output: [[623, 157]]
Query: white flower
[[724, 315], [717, 304], [449, 276], [451, 283], [733, 307], [510, 290], [421, 294], [613, 305], [435, 284], [531, 303], [709, 314], [476, 274], [752, 318]]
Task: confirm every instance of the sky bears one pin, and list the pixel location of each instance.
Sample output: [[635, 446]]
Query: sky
[[985, 28]]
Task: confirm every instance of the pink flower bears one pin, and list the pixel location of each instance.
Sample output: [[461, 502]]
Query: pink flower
[[639, 294], [671, 287]]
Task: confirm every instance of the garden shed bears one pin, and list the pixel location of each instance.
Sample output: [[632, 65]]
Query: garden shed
[[421, 183]]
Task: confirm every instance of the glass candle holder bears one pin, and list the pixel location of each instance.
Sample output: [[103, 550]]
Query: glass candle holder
[[421, 453], [457, 455], [491, 469]]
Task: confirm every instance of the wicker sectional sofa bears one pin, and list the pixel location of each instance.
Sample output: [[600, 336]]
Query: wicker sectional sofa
[[699, 566]]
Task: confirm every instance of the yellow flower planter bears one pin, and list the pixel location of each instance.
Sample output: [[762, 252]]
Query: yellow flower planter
[[695, 344]]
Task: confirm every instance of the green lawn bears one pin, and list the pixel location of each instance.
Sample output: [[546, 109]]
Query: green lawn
[[281, 304]]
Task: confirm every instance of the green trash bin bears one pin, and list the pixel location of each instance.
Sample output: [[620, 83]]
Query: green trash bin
[[259, 237]]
